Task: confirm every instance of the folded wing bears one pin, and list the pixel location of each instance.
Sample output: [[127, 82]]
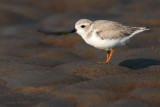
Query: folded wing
[[112, 30]]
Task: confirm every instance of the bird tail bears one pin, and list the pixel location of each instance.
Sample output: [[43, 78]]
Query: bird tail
[[142, 28], [136, 30]]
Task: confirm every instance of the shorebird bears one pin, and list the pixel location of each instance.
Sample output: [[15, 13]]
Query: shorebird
[[105, 34]]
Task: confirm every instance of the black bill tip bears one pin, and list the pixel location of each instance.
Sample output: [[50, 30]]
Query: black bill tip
[[73, 31]]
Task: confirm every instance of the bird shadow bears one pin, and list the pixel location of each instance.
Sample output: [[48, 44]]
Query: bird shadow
[[140, 63]]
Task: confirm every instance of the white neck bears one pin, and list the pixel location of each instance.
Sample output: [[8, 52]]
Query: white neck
[[90, 29], [85, 35]]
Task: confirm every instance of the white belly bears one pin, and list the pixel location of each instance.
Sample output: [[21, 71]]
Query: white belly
[[106, 44]]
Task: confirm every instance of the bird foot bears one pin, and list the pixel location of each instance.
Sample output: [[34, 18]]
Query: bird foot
[[103, 62]]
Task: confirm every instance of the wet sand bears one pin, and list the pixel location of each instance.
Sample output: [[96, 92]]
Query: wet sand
[[60, 70]]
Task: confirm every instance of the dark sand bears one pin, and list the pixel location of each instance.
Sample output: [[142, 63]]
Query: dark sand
[[50, 70]]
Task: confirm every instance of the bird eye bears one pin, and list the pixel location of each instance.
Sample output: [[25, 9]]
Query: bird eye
[[82, 26]]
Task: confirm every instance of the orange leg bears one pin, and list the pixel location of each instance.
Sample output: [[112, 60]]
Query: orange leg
[[109, 55]]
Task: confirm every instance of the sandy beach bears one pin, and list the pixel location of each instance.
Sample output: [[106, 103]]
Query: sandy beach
[[58, 69]]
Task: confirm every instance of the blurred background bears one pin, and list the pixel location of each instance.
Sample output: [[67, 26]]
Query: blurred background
[[40, 68], [25, 17]]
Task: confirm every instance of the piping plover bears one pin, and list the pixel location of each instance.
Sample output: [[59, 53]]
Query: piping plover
[[105, 34]]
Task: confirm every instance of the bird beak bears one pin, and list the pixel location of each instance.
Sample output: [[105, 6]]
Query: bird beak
[[74, 30]]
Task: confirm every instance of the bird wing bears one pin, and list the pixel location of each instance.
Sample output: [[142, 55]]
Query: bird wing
[[112, 30]]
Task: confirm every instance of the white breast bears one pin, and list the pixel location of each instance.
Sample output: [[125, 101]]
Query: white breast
[[106, 44]]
